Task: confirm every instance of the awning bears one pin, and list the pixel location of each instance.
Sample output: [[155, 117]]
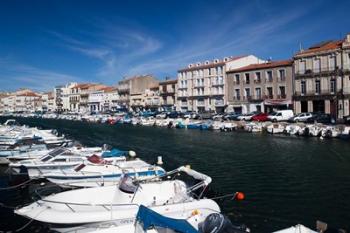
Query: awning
[[277, 102]]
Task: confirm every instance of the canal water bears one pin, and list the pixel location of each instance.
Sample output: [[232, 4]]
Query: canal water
[[286, 180]]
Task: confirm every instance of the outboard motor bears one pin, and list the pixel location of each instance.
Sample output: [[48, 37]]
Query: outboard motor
[[218, 223]]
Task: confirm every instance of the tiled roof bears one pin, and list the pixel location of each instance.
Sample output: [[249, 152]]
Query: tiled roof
[[330, 45], [211, 64], [260, 66]]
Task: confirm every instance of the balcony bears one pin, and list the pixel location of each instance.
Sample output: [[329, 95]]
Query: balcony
[[282, 79], [236, 82], [282, 96], [182, 87], [316, 93], [254, 98], [219, 102], [324, 71], [217, 83], [269, 96], [257, 81], [200, 103], [237, 98], [198, 86]]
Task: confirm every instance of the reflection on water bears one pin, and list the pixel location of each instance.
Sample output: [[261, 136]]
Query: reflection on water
[[287, 180]]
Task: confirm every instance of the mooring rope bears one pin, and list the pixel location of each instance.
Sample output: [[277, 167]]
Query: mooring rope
[[18, 185]]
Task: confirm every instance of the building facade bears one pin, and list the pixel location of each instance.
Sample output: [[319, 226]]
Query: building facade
[[202, 86], [261, 87], [168, 94], [130, 90], [23, 100], [322, 78]]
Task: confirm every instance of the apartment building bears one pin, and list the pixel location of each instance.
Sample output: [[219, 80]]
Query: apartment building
[[168, 94], [48, 102], [103, 99], [322, 78], [202, 86], [133, 89], [261, 87], [23, 100]]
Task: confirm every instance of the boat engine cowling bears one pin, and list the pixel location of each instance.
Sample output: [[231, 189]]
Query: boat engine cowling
[[218, 223]]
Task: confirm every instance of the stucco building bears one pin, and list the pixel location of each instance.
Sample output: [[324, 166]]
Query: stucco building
[[203, 86], [322, 78], [260, 87]]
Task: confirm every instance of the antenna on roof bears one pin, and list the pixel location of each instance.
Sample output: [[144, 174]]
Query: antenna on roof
[[300, 47]]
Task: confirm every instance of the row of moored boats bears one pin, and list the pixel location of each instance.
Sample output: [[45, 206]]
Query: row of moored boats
[[110, 189]]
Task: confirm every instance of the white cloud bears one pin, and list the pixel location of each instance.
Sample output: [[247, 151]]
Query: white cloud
[[14, 75]]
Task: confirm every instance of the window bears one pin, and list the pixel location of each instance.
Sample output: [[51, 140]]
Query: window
[[219, 70], [247, 92], [317, 65], [269, 76], [303, 87], [318, 86], [209, 71], [237, 78], [258, 93], [302, 67], [283, 92], [258, 77], [332, 63], [270, 92], [282, 74], [333, 86], [237, 94], [247, 78]]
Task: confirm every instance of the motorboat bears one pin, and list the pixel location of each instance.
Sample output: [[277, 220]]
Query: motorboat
[[100, 172], [296, 229], [64, 158], [121, 202], [275, 128], [201, 219]]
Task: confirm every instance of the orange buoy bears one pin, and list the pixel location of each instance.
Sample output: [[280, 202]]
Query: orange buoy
[[240, 196]]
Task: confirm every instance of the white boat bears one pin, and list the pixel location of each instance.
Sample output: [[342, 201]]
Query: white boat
[[201, 219], [102, 173], [275, 128], [296, 229], [64, 158], [119, 203]]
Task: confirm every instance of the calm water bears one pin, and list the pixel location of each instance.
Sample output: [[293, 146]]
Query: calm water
[[287, 180]]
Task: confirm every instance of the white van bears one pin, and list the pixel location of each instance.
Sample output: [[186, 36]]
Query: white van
[[282, 115]]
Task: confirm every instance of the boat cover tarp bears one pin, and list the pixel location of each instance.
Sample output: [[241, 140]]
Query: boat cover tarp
[[149, 218], [113, 153]]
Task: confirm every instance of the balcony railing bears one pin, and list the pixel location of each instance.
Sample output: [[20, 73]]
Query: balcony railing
[[317, 70], [316, 92], [281, 96], [219, 102], [200, 103], [257, 81], [217, 83], [237, 98]]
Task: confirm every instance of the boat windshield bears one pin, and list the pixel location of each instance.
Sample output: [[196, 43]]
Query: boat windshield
[[126, 185], [53, 154]]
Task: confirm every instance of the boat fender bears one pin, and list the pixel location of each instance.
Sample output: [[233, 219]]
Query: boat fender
[[132, 153]]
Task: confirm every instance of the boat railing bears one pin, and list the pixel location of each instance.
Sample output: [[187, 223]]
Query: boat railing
[[70, 205]]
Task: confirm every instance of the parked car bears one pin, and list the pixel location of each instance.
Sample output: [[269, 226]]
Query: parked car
[[247, 117], [173, 115], [281, 115], [190, 115], [218, 117], [301, 117], [162, 115], [260, 117], [233, 116], [323, 118], [205, 115]]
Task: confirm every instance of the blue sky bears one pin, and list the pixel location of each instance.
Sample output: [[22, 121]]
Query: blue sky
[[46, 43]]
